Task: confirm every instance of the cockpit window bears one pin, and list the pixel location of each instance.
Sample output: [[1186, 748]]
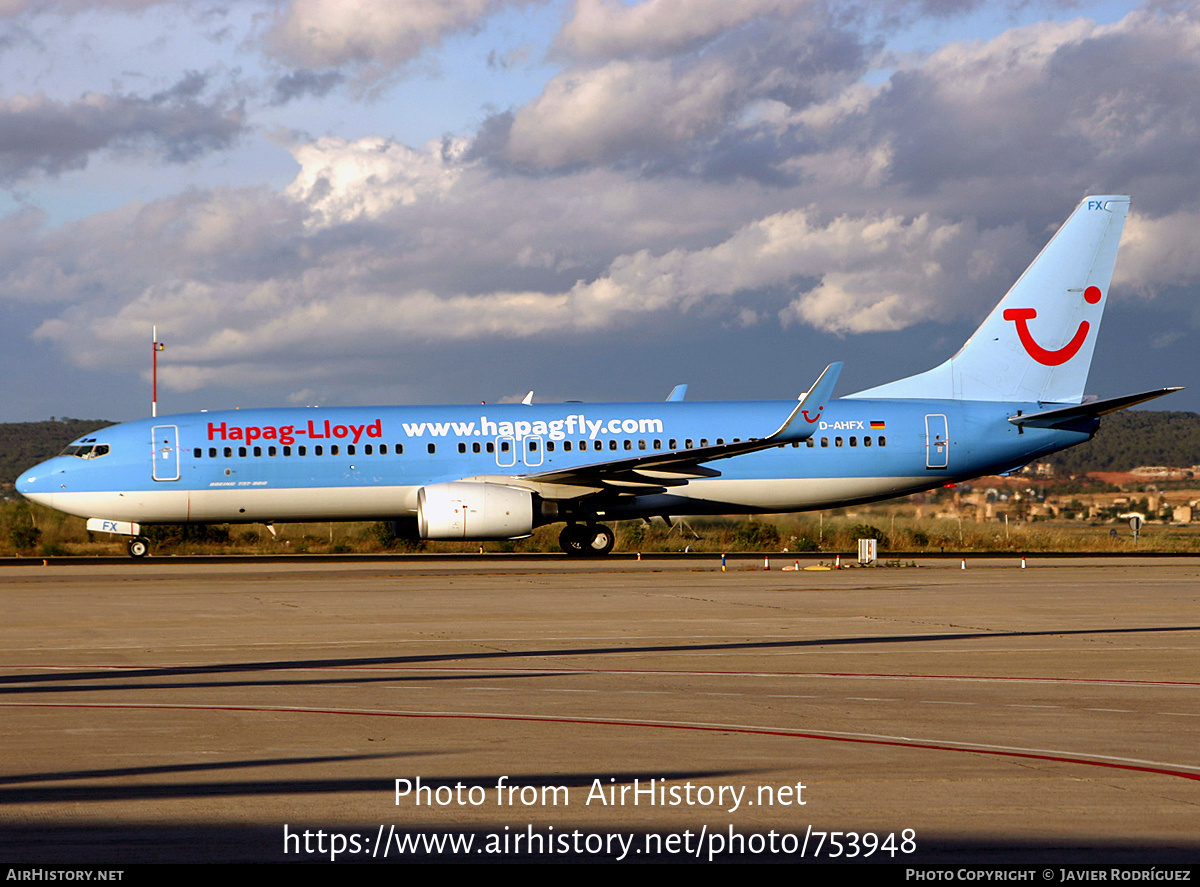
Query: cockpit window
[[86, 450]]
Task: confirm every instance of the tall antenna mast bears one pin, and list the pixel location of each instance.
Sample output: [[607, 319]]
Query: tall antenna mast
[[155, 347]]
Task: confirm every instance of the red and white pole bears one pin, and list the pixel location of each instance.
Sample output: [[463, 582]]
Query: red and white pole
[[155, 347]]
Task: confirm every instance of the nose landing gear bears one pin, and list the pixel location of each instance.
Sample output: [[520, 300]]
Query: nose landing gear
[[586, 540]]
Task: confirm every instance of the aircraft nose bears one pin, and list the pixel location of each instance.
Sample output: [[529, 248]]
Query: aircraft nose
[[36, 484]]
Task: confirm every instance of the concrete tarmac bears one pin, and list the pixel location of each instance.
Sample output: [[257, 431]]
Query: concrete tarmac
[[556, 710]]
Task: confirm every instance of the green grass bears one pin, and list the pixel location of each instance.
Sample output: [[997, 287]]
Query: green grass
[[31, 530]]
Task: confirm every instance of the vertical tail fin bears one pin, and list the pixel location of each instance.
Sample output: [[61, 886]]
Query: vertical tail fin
[[1037, 344]]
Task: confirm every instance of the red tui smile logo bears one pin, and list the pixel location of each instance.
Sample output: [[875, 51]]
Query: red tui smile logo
[[1044, 356]]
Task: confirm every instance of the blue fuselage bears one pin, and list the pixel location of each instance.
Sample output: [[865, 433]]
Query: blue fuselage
[[359, 463]]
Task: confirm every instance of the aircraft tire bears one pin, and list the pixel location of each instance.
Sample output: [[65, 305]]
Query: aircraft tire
[[599, 540], [590, 540], [570, 540], [139, 546]]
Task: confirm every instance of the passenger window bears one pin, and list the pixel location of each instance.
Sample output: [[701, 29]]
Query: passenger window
[[687, 444], [810, 443], [491, 447], [319, 450], [302, 451], [229, 452], [368, 449], [334, 449], [882, 441], [241, 452], [349, 449], [462, 447], [566, 446], [629, 445], [704, 441], [854, 441], [287, 451], [197, 453], [475, 448], [837, 441], [671, 444], [271, 451], [824, 441], [612, 444], [383, 449], [212, 452], [432, 448], [866, 441]]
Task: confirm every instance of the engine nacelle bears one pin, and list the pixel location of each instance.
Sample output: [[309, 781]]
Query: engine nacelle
[[467, 510]]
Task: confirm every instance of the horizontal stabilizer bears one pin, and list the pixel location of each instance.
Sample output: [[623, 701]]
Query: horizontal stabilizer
[[1057, 418]]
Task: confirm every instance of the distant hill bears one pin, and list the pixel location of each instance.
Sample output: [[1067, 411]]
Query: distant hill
[[1132, 438], [24, 444]]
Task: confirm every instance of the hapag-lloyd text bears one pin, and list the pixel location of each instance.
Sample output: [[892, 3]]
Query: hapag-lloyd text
[[574, 425], [287, 434]]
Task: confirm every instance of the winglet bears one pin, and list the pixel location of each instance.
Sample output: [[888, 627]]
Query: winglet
[[677, 393], [810, 404], [527, 399]]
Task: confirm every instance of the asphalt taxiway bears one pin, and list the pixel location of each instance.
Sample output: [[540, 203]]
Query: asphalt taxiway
[[553, 709]]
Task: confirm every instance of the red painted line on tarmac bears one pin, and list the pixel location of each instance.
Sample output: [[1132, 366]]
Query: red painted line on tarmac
[[654, 725]]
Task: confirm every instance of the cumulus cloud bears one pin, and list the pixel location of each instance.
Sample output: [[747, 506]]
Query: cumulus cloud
[[43, 135], [601, 114], [692, 162], [241, 276], [304, 82], [1072, 106], [340, 181], [1160, 252], [14, 7], [603, 29], [331, 33], [664, 83]]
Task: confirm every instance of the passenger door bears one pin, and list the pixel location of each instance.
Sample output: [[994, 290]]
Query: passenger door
[[165, 452]]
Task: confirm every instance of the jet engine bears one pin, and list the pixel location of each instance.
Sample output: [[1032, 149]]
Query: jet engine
[[469, 510]]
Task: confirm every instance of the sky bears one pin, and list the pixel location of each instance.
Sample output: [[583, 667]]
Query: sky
[[442, 201]]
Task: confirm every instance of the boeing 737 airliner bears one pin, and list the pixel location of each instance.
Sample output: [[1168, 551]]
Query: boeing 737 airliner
[[1012, 394]]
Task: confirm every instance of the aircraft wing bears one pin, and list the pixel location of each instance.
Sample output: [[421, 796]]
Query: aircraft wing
[[659, 470]]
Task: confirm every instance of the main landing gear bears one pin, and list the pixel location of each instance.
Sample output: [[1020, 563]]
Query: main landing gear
[[139, 546], [586, 540]]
